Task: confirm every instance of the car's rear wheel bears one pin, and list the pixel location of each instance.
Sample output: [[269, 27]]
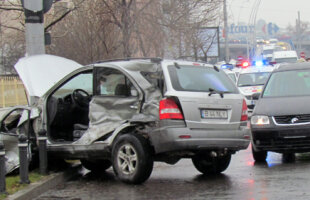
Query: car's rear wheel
[[132, 158], [259, 156], [96, 165], [206, 164]]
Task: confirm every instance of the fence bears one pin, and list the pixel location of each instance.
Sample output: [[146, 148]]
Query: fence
[[12, 91]]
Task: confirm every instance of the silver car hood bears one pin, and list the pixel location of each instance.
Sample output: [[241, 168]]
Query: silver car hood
[[41, 72]]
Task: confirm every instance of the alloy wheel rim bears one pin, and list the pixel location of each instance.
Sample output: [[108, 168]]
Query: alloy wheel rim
[[127, 159]]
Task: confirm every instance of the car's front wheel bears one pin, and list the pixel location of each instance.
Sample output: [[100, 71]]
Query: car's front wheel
[[259, 156], [132, 158], [207, 164]]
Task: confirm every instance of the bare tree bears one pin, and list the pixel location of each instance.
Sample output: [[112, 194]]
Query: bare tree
[[84, 36], [91, 30], [12, 24], [183, 20]]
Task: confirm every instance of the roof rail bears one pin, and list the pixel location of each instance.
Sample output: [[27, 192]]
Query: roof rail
[[152, 59]]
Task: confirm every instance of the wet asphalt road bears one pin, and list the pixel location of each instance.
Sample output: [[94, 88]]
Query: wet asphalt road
[[242, 180]]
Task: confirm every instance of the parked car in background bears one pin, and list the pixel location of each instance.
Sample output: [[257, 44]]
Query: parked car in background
[[129, 113], [284, 57], [281, 119], [251, 80]]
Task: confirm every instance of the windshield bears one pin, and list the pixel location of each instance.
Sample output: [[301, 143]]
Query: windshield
[[268, 51], [251, 79], [288, 83], [286, 60], [81, 81], [200, 79]]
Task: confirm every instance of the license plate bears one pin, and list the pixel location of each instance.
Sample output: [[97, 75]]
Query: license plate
[[214, 114]]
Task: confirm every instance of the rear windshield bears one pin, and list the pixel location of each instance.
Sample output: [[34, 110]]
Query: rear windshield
[[288, 83], [200, 79], [252, 79], [232, 76]]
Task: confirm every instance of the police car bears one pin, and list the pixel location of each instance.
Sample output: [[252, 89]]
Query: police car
[[251, 80]]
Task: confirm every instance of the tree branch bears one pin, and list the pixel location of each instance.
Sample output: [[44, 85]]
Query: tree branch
[[57, 20], [11, 27], [9, 9]]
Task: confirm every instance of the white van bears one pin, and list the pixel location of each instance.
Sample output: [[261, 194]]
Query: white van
[[267, 52], [284, 57]]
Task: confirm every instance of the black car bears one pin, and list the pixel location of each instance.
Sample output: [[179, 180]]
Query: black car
[[281, 118]]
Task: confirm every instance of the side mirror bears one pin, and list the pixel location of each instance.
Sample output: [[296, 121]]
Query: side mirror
[[255, 96]]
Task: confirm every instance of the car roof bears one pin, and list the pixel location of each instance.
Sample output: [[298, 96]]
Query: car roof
[[285, 54], [292, 66], [146, 64], [257, 70]]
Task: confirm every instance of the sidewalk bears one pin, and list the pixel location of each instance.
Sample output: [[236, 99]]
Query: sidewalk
[[51, 181]]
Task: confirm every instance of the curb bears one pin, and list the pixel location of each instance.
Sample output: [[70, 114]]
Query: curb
[[37, 188]]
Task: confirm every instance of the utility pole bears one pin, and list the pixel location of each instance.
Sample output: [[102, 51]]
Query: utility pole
[[34, 17], [226, 33], [298, 33]]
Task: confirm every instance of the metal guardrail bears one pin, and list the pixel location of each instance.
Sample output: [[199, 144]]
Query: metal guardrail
[[12, 91]]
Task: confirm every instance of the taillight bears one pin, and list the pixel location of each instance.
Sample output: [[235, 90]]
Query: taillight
[[168, 109], [244, 114]]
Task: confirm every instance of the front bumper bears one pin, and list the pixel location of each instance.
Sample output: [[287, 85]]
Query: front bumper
[[170, 139], [282, 139]]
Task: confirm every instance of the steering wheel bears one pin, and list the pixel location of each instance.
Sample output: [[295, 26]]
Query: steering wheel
[[80, 98]]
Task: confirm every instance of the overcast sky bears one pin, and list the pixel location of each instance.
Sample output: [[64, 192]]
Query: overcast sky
[[280, 12]]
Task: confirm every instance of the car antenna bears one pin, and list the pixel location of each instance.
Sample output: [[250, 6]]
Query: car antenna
[[216, 68], [177, 65]]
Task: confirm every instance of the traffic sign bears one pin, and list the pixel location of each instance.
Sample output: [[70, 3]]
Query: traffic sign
[[302, 54]]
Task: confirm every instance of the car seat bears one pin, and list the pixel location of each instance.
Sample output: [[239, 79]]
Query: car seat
[[122, 90]]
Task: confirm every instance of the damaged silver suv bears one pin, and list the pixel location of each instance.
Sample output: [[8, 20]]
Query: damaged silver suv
[[130, 113]]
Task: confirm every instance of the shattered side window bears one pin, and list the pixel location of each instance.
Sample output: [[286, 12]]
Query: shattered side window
[[154, 78], [112, 82]]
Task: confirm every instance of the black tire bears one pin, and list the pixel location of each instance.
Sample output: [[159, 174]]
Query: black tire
[[96, 165], [134, 153], [288, 157], [206, 164], [259, 156]]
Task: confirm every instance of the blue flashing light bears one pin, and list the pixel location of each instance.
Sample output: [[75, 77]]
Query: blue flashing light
[[259, 63], [224, 66], [227, 66]]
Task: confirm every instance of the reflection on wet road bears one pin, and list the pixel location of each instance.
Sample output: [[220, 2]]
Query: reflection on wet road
[[244, 179]]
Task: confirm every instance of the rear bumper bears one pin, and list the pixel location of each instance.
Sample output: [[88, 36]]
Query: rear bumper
[[170, 139], [284, 139]]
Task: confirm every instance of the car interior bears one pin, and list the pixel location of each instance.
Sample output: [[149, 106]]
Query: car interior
[[68, 105]]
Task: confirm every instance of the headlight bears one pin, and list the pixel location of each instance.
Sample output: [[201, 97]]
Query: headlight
[[259, 120]]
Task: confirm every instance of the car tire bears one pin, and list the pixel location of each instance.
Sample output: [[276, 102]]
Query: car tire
[[96, 165], [259, 156], [206, 164], [132, 158]]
